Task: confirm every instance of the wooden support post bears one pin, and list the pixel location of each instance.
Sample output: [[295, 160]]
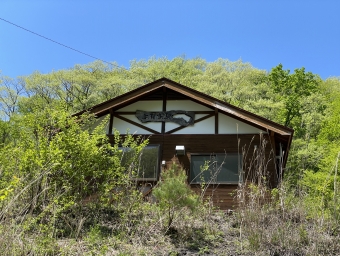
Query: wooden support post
[[164, 109], [216, 121], [111, 121], [277, 162]]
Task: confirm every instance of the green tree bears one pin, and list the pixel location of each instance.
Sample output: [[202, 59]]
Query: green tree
[[59, 163], [173, 193], [11, 90], [292, 88]]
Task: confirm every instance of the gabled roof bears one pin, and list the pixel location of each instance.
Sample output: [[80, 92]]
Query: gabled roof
[[199, 97]]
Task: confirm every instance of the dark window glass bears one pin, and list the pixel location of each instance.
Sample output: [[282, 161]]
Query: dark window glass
[[147, 163], [216, 168]]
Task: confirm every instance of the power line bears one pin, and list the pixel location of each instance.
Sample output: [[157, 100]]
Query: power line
[[34, 33]]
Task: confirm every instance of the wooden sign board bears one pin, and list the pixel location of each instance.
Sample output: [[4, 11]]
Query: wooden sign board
[[166, 116]]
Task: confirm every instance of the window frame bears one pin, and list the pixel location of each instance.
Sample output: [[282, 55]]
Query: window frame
[[194, 180]]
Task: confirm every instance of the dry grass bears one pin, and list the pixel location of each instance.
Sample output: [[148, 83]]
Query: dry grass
[[277, 222], [262, 230]]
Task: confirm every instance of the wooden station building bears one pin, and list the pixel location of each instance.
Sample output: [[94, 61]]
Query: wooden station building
[[194, 129]]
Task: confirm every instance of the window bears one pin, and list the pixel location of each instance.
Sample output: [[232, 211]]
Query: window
[[220, 168], [147, 164]]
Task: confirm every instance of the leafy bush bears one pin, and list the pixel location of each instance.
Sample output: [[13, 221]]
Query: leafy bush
[[173, 193]]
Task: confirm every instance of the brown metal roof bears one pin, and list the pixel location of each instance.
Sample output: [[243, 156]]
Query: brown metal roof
[[154, 87]]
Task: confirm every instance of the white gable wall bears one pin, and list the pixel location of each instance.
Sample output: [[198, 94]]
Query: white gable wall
[[151, 105], [203, 127], [227, 124], [186, 105], [125, 127], [122, 125], [206, 126]]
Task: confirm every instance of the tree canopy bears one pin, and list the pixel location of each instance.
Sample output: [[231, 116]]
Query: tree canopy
[[49, 161]]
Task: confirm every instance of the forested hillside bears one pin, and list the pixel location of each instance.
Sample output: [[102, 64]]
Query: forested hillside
[[46, 158]]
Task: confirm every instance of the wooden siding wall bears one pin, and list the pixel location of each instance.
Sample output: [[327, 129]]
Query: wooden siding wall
[[220, 194], [226, 128]]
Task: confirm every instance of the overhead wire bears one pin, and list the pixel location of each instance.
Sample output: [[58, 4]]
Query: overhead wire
[[71, 48]]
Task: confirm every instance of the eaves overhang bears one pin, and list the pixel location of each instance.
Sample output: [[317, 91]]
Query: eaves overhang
[[233, 111]]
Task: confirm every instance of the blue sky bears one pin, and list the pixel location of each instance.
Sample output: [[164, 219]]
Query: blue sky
[[264, 33]]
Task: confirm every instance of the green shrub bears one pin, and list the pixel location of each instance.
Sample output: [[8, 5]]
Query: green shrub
[[173, 193]]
